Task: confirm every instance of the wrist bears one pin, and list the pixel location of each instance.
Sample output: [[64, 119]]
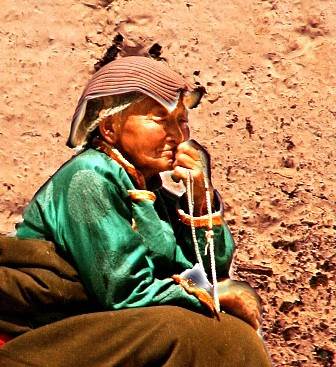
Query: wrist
[[200, 206]]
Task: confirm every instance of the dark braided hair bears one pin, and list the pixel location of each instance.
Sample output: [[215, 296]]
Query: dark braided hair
[[120, 47]]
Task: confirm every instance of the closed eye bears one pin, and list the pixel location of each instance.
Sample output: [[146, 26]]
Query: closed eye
[[158, 118]]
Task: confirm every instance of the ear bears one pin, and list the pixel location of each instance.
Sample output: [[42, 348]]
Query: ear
[[107, 131]]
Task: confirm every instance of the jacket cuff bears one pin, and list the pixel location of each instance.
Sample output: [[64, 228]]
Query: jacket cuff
[[203, 221]]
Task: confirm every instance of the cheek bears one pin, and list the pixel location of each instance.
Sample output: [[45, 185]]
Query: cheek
[[145, 142], [154, 135]]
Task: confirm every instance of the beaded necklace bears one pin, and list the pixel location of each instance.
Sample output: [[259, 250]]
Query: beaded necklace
[[209, 234]]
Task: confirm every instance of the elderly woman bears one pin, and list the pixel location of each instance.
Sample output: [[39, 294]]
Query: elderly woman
[[134, 242]]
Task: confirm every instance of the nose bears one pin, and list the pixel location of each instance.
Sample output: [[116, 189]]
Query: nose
[[176, 131]]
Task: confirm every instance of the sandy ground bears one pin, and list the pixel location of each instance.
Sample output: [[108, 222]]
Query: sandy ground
[[269, 121]]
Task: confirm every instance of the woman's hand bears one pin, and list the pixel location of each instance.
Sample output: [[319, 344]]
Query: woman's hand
[[188, 160], [239, 299]]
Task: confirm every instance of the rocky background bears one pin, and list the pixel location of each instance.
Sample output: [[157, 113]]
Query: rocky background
[[269, 121]]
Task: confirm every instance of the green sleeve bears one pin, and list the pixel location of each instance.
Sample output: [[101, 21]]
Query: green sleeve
[[223, 240], [91, 220], [223, 245]]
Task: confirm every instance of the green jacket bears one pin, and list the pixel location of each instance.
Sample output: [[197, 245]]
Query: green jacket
[[124, 244]]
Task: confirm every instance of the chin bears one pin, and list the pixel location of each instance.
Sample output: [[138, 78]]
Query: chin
[[168, 165], [156, 166], [164, 167]]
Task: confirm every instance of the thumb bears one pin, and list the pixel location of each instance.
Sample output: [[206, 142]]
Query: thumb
[[180, 173]]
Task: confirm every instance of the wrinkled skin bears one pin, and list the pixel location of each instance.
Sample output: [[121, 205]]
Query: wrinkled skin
[[235, 297], [239, 299], [203, 296], [154, 140]]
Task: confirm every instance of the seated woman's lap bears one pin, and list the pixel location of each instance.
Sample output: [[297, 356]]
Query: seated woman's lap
[[154, 336]]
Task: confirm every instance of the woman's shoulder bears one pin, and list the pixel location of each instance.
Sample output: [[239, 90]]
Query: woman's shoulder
[[91, 167], [88, 160]]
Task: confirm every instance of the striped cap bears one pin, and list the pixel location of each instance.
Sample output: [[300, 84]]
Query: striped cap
[[128, 75]]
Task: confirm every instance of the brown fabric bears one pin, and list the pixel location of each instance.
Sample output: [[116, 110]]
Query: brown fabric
[[37, 285], [154, 336]]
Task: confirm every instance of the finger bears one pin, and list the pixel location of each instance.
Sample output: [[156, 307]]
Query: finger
[[249, 313], [184, 160], [237, 300], [188, 149], [180, 173]]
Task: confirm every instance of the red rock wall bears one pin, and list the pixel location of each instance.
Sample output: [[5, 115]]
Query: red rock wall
[[269, 121]]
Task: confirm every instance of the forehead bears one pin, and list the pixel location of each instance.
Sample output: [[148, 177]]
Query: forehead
[[150, 106]]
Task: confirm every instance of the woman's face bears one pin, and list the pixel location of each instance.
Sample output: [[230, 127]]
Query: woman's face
[[148, 135]]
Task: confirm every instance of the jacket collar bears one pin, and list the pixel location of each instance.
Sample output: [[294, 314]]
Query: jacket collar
[[138, 178]]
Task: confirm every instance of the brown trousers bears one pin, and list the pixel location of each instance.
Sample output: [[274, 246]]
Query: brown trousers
[[40, 293], [37, 286], [167, 336]]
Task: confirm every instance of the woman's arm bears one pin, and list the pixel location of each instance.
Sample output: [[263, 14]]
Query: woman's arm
[[112, 257]]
